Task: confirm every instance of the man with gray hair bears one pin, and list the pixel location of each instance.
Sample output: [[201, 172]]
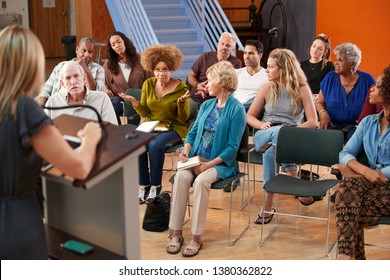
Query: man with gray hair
[[94, 72], [197, 77], [73, 81]]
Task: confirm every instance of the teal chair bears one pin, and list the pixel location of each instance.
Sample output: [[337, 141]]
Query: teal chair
[[130, 115]]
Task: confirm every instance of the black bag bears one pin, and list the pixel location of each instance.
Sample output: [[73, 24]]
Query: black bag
[[156, 216]]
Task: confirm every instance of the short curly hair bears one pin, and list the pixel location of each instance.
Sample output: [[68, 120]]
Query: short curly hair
[[351, 51], [223, 74], [384, 86], [169, 54]]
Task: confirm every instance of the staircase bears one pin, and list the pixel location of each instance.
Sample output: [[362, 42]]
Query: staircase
[[172, 25], [194, 26]]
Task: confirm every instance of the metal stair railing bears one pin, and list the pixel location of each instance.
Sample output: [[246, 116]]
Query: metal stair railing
[[208, 17], [129, 17], [211, 21]]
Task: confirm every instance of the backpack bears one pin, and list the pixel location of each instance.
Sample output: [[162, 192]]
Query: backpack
[[156, 216]]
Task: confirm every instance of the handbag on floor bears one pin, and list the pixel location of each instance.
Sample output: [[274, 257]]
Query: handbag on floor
[[156, 216]]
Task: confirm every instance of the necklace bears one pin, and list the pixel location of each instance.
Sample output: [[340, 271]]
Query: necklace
[[315, 65]]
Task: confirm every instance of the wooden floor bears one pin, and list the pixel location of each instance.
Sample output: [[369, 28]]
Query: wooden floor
[[295, 239]]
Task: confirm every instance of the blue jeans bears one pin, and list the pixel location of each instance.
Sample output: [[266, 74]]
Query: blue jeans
[[155, 156], [270, 135]]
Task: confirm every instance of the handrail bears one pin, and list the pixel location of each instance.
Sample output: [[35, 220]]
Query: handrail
[[211, 21], [130, 18]]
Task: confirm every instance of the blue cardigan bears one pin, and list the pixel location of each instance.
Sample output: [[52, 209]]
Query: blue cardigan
[[228, 135]]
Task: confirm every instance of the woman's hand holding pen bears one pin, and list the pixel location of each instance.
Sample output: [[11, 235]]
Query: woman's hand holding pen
[[183, 157]]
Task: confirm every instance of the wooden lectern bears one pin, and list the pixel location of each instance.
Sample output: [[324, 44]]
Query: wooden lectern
[[102, 210]]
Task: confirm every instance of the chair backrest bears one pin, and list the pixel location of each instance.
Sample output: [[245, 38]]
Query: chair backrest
[[128, 109], [309, 146], [242, 154]]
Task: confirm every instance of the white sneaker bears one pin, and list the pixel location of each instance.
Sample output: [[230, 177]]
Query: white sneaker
[[141, 194], [152, 193]]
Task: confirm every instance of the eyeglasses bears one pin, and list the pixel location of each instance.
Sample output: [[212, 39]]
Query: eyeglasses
[[163, 71]]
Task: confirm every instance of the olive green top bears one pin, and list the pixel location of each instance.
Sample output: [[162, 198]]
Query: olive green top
[[166, 109]]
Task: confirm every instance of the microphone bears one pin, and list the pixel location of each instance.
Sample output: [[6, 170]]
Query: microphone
[[99, 117]]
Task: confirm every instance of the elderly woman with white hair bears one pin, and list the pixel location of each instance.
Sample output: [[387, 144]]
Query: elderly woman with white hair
[[344, 90]]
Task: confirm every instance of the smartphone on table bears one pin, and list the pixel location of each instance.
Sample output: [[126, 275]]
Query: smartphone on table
[[77, 247]]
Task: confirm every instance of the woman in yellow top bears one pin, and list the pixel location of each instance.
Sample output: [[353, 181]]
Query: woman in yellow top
[[165, 99]]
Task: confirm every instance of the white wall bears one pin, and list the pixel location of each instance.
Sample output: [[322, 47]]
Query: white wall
[[16, 7]]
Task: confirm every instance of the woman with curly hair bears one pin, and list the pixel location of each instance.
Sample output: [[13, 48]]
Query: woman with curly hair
[[286, 99], [363, 196], [165, 99], [122, 69]]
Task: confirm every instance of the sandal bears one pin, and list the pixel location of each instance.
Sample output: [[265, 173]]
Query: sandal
[[259, 220], [175, 245], [191, 251], [309, 200]]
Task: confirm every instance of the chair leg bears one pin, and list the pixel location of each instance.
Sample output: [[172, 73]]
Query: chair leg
[[230, 210], [275, 226], [245, 180], [231, 243], [377, 245], [249, 180]]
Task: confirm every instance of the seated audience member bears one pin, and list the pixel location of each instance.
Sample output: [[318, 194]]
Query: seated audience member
[[344, 90], [197, 77], [216, 136], [363, 196], [25, 132], [165, 99], [252, 76], [286, 100], [122, 68], [73, 81], [318, 65], [94, 73], [369, 108]]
